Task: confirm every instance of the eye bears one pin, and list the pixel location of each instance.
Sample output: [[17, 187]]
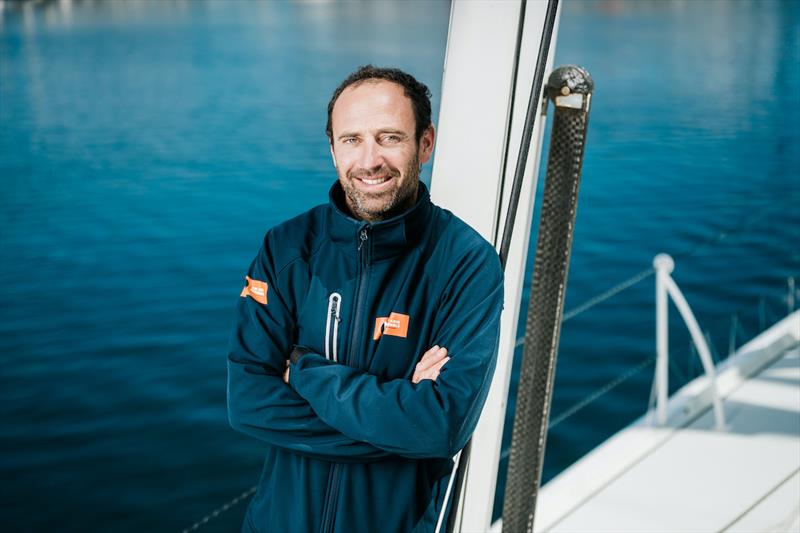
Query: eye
[[391, 138], [349, 140]]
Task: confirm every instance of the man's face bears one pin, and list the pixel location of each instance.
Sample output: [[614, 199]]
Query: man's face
[[375, 150]]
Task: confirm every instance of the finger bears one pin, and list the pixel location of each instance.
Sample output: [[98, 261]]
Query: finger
[[418, 376], [438, 366], [431, 373], [432, 357], [424, 375], [430, 353], [430, 360], [419, 371]]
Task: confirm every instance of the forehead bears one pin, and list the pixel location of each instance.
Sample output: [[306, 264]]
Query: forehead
[[373, 105]]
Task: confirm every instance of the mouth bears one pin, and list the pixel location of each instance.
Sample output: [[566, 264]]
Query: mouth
[[375, 184], [375, 181]]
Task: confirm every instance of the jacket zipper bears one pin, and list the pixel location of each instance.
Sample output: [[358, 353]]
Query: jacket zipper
[[334, 305], [363, 256], [327, 510]]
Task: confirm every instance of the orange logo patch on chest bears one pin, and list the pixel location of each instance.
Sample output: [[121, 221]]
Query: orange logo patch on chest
[[396, 325], [257, 290]]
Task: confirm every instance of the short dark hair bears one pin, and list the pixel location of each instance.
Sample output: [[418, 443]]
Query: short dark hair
[[417, 92]]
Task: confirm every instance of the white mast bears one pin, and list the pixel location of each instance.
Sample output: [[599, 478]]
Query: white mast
[[468, 179]]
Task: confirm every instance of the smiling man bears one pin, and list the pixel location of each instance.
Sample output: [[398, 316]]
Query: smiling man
[[366, 334], [378, 148]]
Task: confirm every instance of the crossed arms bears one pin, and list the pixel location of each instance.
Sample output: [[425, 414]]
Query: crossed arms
[[429, 366], [339, 413]]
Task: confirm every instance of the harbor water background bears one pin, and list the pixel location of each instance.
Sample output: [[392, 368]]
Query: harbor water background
[[145, 147]]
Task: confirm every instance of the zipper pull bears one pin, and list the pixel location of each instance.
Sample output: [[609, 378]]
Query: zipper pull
[[362, 238], [335, 308]]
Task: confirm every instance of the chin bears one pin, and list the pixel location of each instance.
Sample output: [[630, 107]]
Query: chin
[[374, 210]]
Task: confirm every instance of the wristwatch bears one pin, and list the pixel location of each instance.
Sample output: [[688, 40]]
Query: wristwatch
[[297, 353]]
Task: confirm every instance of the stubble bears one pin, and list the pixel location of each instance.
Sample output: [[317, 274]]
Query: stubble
[[363, 205]]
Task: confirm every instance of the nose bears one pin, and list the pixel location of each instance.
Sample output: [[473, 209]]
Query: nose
[[371, 155]]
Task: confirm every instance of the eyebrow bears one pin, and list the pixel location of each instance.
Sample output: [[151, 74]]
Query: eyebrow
[[390, 130]]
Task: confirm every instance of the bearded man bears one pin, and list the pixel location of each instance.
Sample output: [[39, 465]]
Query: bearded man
[[366, 334]]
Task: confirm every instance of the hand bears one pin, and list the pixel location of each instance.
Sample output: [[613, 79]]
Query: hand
[[286, 373], [431, 363]]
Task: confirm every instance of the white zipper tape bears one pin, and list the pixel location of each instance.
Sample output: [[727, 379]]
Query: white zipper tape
[[334, 306]]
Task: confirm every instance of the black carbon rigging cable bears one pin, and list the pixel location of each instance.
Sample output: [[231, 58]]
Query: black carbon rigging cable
[[527, 133], [511, 104]]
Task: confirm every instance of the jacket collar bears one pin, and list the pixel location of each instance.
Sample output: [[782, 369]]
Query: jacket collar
[[387, 238]]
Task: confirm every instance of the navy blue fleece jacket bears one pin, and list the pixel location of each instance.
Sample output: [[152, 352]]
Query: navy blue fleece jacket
[[353, 444]]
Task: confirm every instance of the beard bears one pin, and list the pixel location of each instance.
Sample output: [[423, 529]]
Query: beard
[[374, 207]]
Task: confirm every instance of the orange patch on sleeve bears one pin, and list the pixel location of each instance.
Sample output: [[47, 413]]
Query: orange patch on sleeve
[[396, 325], [257, 290]]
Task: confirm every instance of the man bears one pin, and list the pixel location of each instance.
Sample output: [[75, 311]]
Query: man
[[324, 363]]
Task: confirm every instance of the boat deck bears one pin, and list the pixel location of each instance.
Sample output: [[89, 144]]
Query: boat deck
[[687, 476]]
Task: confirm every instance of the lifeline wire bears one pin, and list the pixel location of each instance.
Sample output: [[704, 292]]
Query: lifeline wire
[[216, 512]]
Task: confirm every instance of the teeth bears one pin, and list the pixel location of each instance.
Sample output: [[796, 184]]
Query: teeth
[[375, 181]]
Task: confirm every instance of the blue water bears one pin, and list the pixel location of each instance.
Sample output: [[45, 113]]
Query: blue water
[[146, 146]]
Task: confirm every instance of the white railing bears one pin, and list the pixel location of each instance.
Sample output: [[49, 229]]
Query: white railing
[[665, 288]]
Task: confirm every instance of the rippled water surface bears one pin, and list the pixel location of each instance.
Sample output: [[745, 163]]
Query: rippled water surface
[[146, 146]]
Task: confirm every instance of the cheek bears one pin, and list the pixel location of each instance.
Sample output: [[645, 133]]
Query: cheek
[[344, 161], [401, 160]]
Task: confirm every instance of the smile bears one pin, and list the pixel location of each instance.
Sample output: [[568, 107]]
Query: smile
[[375, 181]]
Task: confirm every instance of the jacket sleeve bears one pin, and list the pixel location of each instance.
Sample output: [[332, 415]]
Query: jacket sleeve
[[431, 418], [260, 404]]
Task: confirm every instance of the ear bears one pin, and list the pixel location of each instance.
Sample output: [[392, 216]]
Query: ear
[[426, 142], [333, 156]]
